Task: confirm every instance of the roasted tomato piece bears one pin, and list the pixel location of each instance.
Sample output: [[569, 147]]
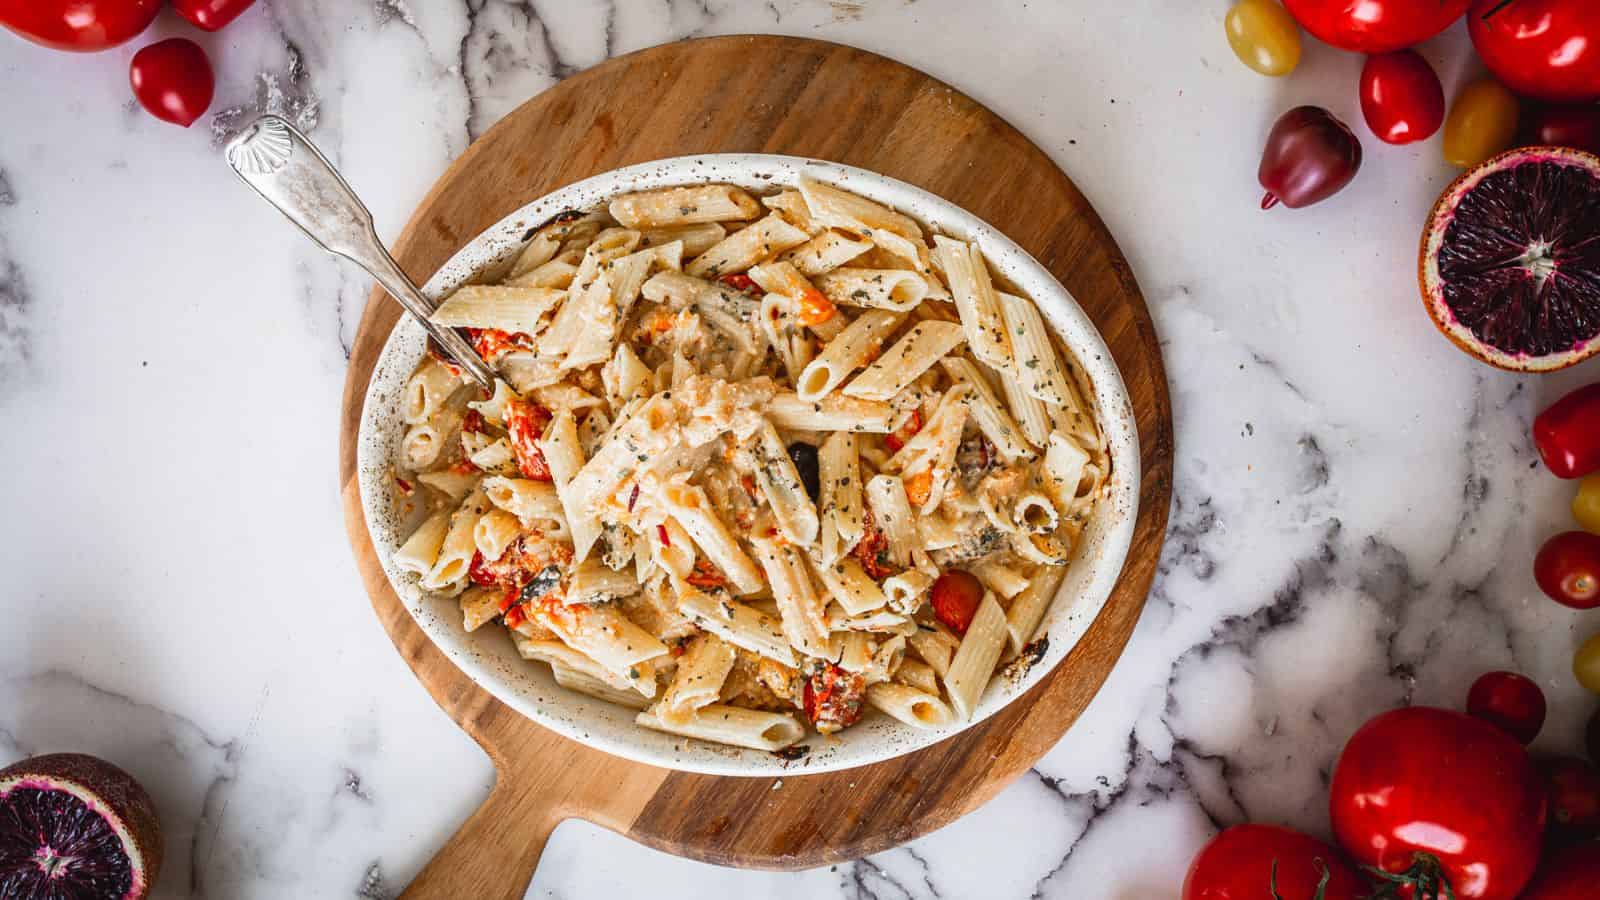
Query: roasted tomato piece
[[833, 697], [525, 423]]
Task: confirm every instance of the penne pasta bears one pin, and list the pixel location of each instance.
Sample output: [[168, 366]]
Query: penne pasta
[[684, 206], [732, 725], [746, 247], [513, 309], [897, 290], [976, 301], [916, 708], [905, 361], [976, 657], [735, 443], [856, 346]]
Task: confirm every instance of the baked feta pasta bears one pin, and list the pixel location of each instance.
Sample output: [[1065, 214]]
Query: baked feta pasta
[[754, 464]]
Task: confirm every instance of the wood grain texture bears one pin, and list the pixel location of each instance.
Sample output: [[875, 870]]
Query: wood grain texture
[[803, 98]]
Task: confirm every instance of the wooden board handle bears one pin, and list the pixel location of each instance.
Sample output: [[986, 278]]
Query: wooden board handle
[[496, 850]]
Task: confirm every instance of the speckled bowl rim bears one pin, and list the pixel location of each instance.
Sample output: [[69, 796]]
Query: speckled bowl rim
[[488, 656]]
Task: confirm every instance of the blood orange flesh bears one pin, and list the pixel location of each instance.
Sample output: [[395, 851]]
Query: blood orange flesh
[[1510, 266], [73, 827]]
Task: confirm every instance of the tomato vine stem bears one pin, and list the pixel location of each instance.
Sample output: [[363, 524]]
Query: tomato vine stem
[[1322, 883], [1425, 878]]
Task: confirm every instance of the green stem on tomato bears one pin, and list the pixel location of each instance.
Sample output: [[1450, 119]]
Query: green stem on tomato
[[1322, 883], [1425, 878]]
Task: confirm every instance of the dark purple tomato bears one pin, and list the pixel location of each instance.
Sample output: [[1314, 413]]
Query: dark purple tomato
[[1575, 125], [1310, 156]]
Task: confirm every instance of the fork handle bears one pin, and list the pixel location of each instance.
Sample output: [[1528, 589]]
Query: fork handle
[[289, 172]]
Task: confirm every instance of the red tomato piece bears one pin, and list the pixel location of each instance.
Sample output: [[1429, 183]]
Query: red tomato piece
[[1375, 26], [1568, 433], [832, 698], [80, 25], [1509, 701], [1548, 49], [173, 80], [492, 343], [1568, 569], [742, 283], [477, 573], [1254, 862], [525, 423], [1401, 97], [816, 308], [897, 438], [871, 550], [1432, 795], [211, 15], [955, 596], [706, 576]]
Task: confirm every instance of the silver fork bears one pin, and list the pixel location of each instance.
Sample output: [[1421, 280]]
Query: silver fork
[[289, 172]]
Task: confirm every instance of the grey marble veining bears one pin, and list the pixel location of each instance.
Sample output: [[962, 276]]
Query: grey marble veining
[[1356, 504]]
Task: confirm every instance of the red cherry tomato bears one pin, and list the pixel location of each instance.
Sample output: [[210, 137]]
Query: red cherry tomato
[[1511, 702], [955, 598], [1568, 433], [1568, 569], [211, 15], [1574, 788], [1401, 97], [1569, 873], [82, 25], [1548, 49], [1429, 794], [1375, 26], [1253, 862], [1575, 125], [1310, 156], [172, 80]]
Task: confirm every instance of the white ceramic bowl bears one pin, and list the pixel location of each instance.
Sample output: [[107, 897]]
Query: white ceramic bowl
[[488, 657]]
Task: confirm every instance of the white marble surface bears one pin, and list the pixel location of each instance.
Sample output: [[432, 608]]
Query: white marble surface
[[1356, 502]]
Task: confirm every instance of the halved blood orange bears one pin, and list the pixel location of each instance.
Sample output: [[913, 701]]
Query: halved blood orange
[[1510, 264]]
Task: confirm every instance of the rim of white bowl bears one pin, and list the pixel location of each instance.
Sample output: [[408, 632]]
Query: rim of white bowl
[[488, 657]]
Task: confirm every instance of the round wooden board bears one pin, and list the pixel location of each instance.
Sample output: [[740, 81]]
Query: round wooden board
[[803, 98]]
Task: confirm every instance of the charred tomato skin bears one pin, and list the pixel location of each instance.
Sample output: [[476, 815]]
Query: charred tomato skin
[[1420, 782], [1238, 865]]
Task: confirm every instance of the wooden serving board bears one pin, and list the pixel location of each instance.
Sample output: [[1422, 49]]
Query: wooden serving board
[[803, 98]]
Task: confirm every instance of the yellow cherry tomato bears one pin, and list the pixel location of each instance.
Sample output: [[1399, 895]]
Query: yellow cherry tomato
[[1586, 506], [1482, 122], [1264, 36], [1586, 664]]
